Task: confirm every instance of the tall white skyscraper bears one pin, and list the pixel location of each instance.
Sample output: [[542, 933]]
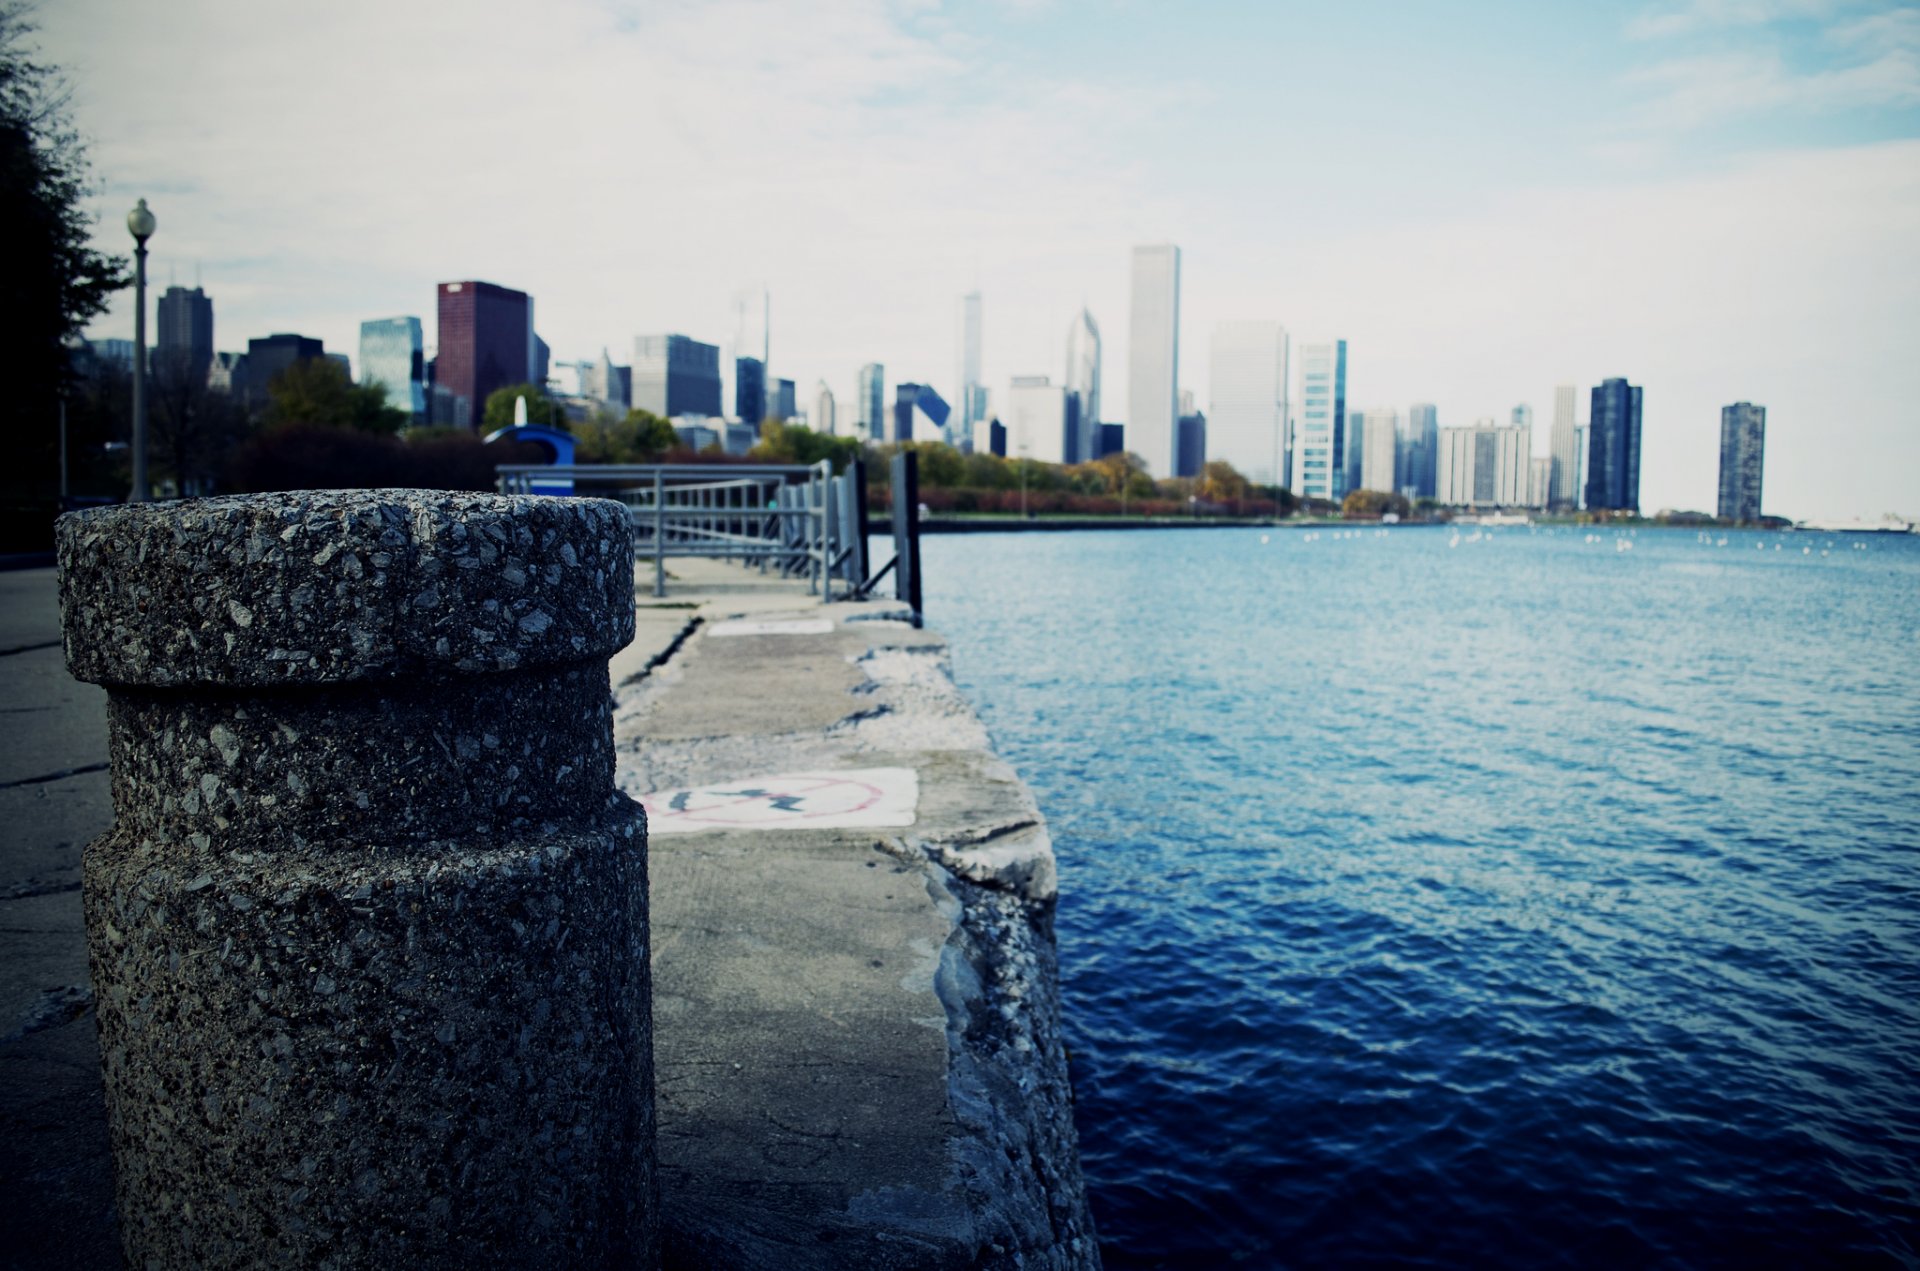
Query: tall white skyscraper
[[1319, 447], [1563, 443], [973, 394], [1247, 411], [1153, 357], [1083, 381], [1379, 434], [823, 420]]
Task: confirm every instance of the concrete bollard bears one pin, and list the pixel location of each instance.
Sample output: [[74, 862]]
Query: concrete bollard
[[369, 935]]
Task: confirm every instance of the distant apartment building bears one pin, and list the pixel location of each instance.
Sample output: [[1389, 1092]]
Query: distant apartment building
[[674, 375], [1743, 444], [1113, 440], [1083, 383], [825, 412], [1540, 491], [1523, 416], [782, 402], [1035, 416], [870, 402], [486, 341], [1613, 447], [1563, 449], [973, 394], [117, 351], [270, 355], [1153, 358], [1485, 466], [1420, 452], [750, 389], [1319, 443], [185, 339], [1247, 407], [393, 359], [610, 385], [1379, 436]]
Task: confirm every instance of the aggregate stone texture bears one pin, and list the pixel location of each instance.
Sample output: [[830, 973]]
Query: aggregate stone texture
[[339, 585], [368, 939]]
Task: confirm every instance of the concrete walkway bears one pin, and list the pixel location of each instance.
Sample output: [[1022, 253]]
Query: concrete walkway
[[55, 1173], [857, 1028]]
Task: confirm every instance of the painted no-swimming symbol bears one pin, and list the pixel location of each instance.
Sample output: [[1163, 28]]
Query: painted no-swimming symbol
[[857, 798]]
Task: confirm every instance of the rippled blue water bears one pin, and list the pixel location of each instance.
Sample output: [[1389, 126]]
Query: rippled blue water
[[1516, 903]]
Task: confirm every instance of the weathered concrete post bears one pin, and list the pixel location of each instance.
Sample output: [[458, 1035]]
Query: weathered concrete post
[[369, 935]]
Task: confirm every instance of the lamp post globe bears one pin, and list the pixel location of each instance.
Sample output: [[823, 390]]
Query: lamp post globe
[[140, 224]]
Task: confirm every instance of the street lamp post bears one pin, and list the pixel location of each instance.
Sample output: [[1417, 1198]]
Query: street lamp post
[[140, 223]]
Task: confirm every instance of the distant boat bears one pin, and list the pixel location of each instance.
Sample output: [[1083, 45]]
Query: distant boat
[[1887, 524]]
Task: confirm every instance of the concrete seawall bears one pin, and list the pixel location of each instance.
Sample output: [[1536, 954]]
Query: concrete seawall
[[857, 1014]]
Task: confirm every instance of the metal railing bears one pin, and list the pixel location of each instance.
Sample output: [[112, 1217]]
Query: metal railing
[[800, 520]]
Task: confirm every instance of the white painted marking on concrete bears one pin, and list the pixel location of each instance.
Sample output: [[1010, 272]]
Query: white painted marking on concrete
[[856, 798], [772, 626]]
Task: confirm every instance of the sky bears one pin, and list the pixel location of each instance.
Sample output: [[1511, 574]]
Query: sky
[[1717, 199]]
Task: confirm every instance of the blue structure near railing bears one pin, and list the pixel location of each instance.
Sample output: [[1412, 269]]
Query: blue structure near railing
[[557, 451]]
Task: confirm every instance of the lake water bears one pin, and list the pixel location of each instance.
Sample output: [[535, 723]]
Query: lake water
[[1516, 901]]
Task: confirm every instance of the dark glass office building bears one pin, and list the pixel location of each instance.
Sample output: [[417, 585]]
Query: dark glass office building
[[749, 389], [269, 356], [1743, 444], [1190, 455], [186, 331], [486, 341], [673, 375], [1613, 448]]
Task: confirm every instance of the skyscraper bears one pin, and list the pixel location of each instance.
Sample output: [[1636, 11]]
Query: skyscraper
[[781, 400], [1035, 415], [1613, 447], [1563, 488], [1247, 413], [973, 394], [270, 355], [186, 333], [1743, 444], [1190, 444], [870, 402], [1153, 360], [1319, 444], [1421, 461], [1485, 466], [823, 420], [1083, 382], [1523, 416], [674, 375], [1380, 450], [750, 389], [392, 358], [907, 398], [486, 341]]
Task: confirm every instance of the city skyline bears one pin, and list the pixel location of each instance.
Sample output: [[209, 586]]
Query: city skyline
[[1590, 238]]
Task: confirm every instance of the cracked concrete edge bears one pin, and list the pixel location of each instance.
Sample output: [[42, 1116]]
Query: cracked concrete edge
[[996, 882]]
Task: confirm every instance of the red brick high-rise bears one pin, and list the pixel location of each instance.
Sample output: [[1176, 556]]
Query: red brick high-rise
[[486, 341]]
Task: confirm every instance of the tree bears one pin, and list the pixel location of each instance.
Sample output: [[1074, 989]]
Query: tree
[[641, 437], [1374, 503], [782, 442], [191, 429], [541, 409], [53, 282], [316, 390]]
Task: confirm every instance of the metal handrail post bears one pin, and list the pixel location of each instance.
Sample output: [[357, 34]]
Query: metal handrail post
[[659, 534]]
